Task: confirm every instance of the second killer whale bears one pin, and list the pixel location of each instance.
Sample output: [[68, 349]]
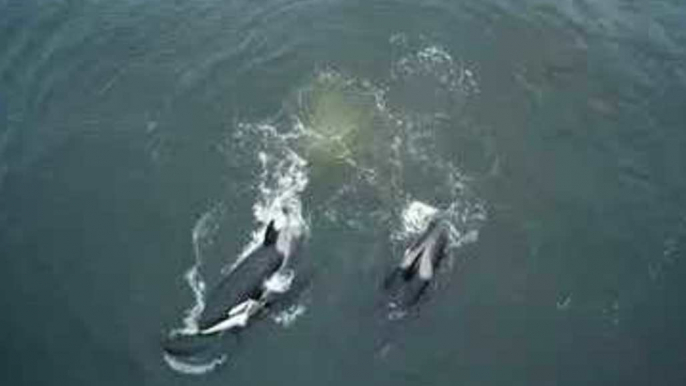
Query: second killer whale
[[409, 279]]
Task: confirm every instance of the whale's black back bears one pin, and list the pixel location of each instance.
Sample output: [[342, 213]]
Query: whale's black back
[[242, 283]]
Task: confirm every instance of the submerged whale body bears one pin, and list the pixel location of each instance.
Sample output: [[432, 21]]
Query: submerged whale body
[[408, 280], [245, 291]]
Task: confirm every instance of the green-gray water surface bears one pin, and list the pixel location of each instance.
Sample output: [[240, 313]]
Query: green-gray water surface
[[125, 123]]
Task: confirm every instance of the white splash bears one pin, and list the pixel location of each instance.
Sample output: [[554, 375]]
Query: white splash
[[283, 178], [280, 282], [436, 62], [201, 235], [416, 217], [193, 368], [197, 285], [287, 317], [464, 219]]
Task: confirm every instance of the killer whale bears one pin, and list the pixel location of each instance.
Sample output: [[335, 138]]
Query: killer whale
[[241, 291], [409, 279], [257, 281]]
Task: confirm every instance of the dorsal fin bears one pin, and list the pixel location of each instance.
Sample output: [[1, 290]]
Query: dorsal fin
[[270, 235]]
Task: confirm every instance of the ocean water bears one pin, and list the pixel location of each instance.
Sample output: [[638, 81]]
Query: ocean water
[[145, 144]]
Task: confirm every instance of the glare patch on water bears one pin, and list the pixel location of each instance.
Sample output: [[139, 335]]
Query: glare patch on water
[[335, 118]]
